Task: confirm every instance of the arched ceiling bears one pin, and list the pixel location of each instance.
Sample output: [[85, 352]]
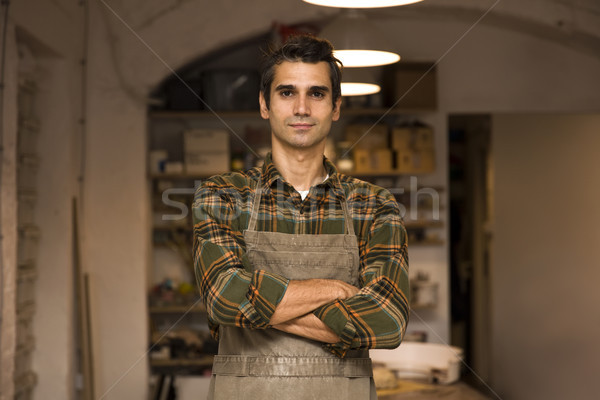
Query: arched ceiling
[[574, 23], [139, 31]]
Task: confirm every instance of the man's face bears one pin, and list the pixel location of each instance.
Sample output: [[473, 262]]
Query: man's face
[[301, 109]]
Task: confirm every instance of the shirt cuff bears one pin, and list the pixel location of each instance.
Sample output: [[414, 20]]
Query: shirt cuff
[[264, 294], [336, 316]]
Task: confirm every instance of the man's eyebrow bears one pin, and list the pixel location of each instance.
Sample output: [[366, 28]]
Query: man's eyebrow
[[320, 88], [293, 87], [285, 87]]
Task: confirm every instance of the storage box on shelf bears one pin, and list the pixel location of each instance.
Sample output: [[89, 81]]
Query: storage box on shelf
[[414, 148], [206, 151], [404, 149]]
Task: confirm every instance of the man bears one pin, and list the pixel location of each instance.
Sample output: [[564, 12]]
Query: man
[[301, 269]]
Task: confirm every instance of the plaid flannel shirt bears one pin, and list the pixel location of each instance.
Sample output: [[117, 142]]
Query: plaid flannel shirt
[[236, 295]]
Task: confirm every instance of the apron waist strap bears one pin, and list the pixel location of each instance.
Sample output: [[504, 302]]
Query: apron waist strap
[[239, 365]]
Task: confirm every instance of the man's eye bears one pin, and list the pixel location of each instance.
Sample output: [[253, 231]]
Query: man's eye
[[318, 94], [286, 93]]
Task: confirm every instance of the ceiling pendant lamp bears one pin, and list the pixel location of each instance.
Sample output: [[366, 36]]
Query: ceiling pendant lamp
[[361, 3], [359, 82], [358, 42], [359, 89]]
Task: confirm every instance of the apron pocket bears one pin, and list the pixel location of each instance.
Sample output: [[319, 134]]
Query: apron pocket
[[306, 265]]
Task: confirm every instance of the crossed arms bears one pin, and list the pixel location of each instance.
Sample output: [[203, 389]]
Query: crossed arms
[[294, 312]]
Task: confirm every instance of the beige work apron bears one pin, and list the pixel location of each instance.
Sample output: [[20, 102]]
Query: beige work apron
[[270, 364]]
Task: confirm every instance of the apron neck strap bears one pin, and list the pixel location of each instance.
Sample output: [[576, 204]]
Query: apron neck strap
[[349, 223], [256, 205]]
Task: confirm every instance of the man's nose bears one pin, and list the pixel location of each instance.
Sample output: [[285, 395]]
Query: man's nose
[[301, 106]]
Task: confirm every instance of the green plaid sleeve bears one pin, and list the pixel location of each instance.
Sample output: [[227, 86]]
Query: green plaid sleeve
[[377, 316], [232, 294]]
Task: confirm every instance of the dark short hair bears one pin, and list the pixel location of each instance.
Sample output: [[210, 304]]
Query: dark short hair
[[302, 48]]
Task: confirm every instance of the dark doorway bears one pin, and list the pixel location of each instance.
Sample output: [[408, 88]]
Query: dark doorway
[[470, 210]]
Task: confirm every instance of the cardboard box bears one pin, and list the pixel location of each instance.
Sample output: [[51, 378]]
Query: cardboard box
[[415, 161], [381, 160], [369, 161], [205, 140], [367, 136], [401, 138], [423, 138], [424, 161], [404, 161], [417, 138], [207, 163], [206, 151], [362, 160]]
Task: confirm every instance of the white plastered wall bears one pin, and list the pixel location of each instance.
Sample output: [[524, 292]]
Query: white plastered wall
[[545, 261]]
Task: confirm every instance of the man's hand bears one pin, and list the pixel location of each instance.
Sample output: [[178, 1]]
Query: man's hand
[[303, 297], [309, 326]]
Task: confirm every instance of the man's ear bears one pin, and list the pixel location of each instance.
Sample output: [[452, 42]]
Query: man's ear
[[264, 110], [336, 109]]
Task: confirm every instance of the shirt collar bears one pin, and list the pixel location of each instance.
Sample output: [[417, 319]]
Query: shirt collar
[[270, 175]]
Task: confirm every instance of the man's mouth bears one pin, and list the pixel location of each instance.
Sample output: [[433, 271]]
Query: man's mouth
[[301, 125]]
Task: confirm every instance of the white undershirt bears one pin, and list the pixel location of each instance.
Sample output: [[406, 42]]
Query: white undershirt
[[304, 193]]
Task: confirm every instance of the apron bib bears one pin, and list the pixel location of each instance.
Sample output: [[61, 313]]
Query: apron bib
[[270, 364]]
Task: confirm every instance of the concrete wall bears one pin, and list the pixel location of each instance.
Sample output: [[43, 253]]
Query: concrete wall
[[53, 34], [545, 261]]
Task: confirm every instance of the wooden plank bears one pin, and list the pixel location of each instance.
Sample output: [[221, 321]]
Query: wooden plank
[[83, 350]]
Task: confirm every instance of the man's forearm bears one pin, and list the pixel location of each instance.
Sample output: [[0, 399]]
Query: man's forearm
[[304, 296], [309, 326]]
